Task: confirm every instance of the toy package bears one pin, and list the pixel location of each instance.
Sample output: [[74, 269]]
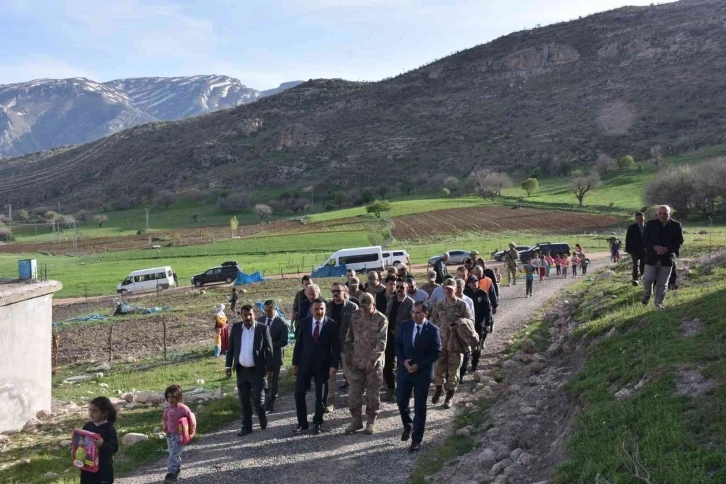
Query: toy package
[[184, 431], [84, 454]]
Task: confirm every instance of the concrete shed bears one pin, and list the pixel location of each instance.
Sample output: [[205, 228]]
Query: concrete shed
[[26, 309]]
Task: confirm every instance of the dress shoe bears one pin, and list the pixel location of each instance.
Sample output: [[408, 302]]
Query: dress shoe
[[437, 395], [300, 429], [415, 446], [243, 432], [406, 433], [636, 283], [316, 429], [263, 423]]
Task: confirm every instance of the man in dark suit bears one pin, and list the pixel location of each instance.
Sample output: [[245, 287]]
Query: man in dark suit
[[315, 356], [418, 346], [279, 334], [398, 309], [635, 247], [663, 238], [440, 268], [250, 356]]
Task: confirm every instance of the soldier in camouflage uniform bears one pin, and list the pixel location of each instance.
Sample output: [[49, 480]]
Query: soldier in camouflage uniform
[[431, 284], [446, 372], [364, 348]]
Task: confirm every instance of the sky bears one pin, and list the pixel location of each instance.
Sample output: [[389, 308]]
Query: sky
[[260, 42]]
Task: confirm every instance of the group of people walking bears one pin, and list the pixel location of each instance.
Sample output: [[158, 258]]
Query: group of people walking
[[387, 334]]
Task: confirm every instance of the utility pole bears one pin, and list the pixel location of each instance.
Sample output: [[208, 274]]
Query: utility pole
[[147, 219]]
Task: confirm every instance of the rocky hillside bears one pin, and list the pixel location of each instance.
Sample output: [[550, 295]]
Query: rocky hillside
[[46, 113], [616, 82]]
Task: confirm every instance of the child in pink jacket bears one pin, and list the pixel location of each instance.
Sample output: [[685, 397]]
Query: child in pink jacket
[[172, 414]]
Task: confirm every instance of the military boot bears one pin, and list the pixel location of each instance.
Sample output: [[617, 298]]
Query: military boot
[[370, 425], [437, 394], [356, 424], [449, 398]]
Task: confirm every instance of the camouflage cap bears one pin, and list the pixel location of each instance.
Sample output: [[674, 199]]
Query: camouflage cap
[[366, 300], [449, 283]]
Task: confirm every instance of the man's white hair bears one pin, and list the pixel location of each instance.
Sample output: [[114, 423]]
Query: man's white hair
[[667, 207]]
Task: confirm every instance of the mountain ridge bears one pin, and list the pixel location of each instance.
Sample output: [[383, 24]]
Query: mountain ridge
[[547, 99], [46, 113]]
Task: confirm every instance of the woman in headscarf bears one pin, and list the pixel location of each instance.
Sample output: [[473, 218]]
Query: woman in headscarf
[[221, 331]]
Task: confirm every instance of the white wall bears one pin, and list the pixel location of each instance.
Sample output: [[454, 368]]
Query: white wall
[[25, 359]]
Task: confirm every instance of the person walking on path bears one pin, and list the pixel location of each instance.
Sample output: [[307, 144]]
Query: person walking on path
[[299, 297], [487, 285], [414, 292], [584, 262], [574, 261], [431, 284], [564, 264], [537, 263], [279, 335], [663, 238], [233, 300], [493, 275], [529, 272], [399, 309], [365, 344], [221, 331], [635, 247], [542, 268], [446, 315], [418, 347], [511, 256], [550, 261], [558, 264], [250, 357], [483, 322], [440, 268], [339, 310], [315, 357], [170, 420]]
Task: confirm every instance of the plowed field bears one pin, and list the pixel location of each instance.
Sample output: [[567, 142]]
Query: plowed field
[[454, 221]]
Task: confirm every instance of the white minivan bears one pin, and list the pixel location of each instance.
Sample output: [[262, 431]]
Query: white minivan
[[359, 258], [147, 280]]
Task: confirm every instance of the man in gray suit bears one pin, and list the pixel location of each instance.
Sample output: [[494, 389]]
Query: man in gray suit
[[339, 310], [279, 335], [398, 310]]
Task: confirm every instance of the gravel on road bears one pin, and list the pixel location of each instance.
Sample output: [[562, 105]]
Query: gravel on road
[[275, 455]]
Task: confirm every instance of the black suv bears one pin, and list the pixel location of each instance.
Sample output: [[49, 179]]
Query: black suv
[[227, 272], [543, 247]]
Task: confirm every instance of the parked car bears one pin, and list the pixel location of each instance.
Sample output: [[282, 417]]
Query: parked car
[[152, 279], [499, 256], [227, 272], [456, 257], [358, 258], [551, 247], [396, 256]]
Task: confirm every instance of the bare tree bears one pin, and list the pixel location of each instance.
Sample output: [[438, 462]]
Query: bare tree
[[100, 219], [605, 164], [263, 211], [452, 183], [580, 184], [488, 183]]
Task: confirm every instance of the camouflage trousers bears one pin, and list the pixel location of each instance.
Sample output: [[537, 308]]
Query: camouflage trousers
[[368, 381], [446, 372]]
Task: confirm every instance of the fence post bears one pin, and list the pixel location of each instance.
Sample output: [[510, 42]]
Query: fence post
[[165, 340], [110, 342]]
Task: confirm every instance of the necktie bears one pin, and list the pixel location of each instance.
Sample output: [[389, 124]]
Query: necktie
[[316, 333], [268, 321], [418, 332]]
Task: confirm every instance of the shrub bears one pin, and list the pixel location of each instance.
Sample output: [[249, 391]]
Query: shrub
[[530, 185], [234, 202], [377, 207]]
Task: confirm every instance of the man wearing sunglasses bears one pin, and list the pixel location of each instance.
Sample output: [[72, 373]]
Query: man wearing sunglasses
[[399, 309]]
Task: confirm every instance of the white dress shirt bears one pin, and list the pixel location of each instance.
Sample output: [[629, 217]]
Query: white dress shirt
[[468, 302], [436, 296], [246, 351]]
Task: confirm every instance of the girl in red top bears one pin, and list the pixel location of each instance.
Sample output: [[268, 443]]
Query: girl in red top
[[172, 414]]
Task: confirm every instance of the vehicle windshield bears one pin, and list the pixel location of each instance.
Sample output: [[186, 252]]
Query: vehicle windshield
[[127, 281], [331, 262]]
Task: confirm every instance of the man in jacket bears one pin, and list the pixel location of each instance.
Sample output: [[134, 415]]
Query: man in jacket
[[339, 310], [418, 346], [635, 247], [511, 256], [446, 313], [431, 284], [315, 357], [440, 268], [488, 285], [250, 356], [399, 309], [483, 322], [279, 334], [299, 296], [663, 238], [365, 344]]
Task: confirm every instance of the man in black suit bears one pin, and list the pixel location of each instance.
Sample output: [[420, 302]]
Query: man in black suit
[[250, 356], [279, 334], [635, 247], [315, 356], [418, 346], [663, 238]]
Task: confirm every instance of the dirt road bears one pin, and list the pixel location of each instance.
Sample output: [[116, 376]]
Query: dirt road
[[275, 456]]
